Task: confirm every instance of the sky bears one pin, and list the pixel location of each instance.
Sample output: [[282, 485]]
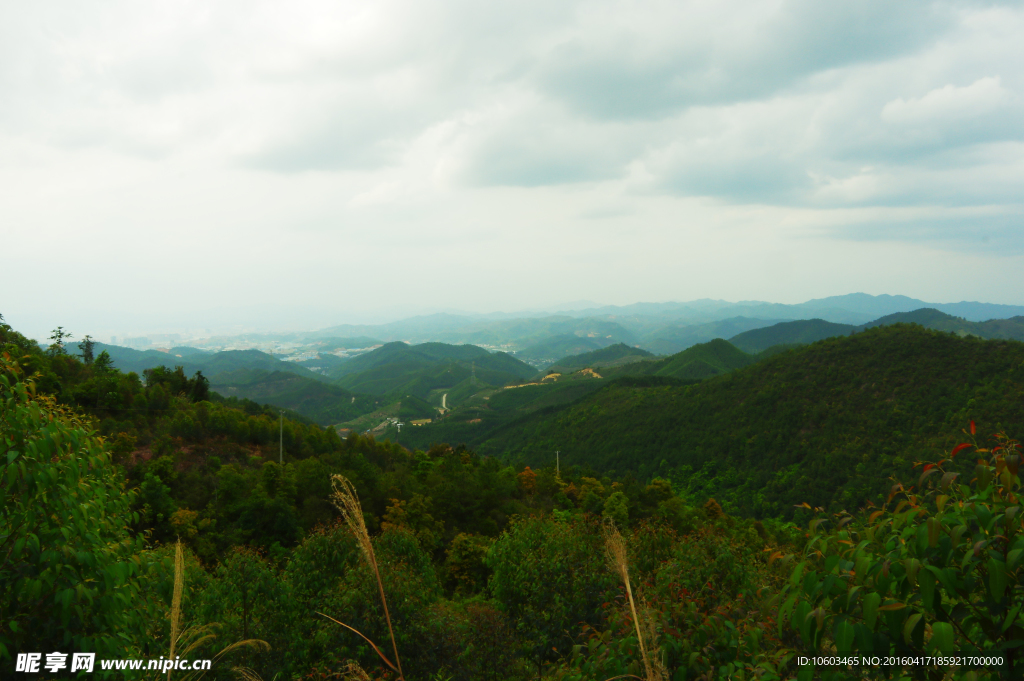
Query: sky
[[271, 165]]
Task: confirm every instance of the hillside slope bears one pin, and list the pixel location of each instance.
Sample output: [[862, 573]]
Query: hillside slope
[[613, 355], [671, 339], [812, 330], [700, 361], [325, 404], [474, 421], [419, 369], [826, 423], [541, 355], [789, 333], [1006, 329], [211, 364]]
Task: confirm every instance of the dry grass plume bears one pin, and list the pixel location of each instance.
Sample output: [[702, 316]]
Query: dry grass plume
[[346, 500], [188, 641], [179, 583], [618, 560]]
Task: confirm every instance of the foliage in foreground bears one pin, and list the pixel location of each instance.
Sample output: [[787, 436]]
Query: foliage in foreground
[[71, 567], [935, 572]]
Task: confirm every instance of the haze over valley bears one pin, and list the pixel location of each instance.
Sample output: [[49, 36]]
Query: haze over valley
[[444, 368]]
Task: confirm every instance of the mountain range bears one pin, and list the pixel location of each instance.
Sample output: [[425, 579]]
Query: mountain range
[[662, 328], [422, 380]]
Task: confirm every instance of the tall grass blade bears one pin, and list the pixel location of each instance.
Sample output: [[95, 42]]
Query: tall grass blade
[[372, 644], [179, 583], [346, 500], [185, 642], [618, 560]]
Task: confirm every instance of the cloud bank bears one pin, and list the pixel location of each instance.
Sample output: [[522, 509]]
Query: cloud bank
[[544, 144]]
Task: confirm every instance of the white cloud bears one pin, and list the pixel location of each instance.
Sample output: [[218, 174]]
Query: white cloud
[[325, 146], [948, 104]]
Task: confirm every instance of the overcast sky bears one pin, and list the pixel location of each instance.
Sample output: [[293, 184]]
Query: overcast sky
[[300, 164]]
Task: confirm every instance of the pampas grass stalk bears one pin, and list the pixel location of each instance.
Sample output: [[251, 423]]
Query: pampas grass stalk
[[618, 560], [194, 637], [179, 583], [346, 500]]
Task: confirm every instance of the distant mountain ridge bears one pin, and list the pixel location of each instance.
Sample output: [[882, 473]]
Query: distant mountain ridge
[[659, 327], [462, 329], [671, 339], [212, 364], [813, 330], [862, 306], [801, 332], [1006, 329], [719, 356]]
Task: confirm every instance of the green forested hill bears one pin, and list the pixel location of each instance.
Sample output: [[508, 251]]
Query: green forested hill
[[323, 403], [428, 354], [1006, 329], [545, 352], [192, 360], [620, 353], [826, 424], [672, 339], [786, 333], [129, 359], [475, 422], [811, 330], [419, 369], [700, 361], [388, 353]]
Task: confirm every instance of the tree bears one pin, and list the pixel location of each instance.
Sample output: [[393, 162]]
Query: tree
[[104, 363], [549, 577], [196, 389], [528, 481], [86, 347], [616, 509], [69, 565], [58, 337], [199, 388]]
